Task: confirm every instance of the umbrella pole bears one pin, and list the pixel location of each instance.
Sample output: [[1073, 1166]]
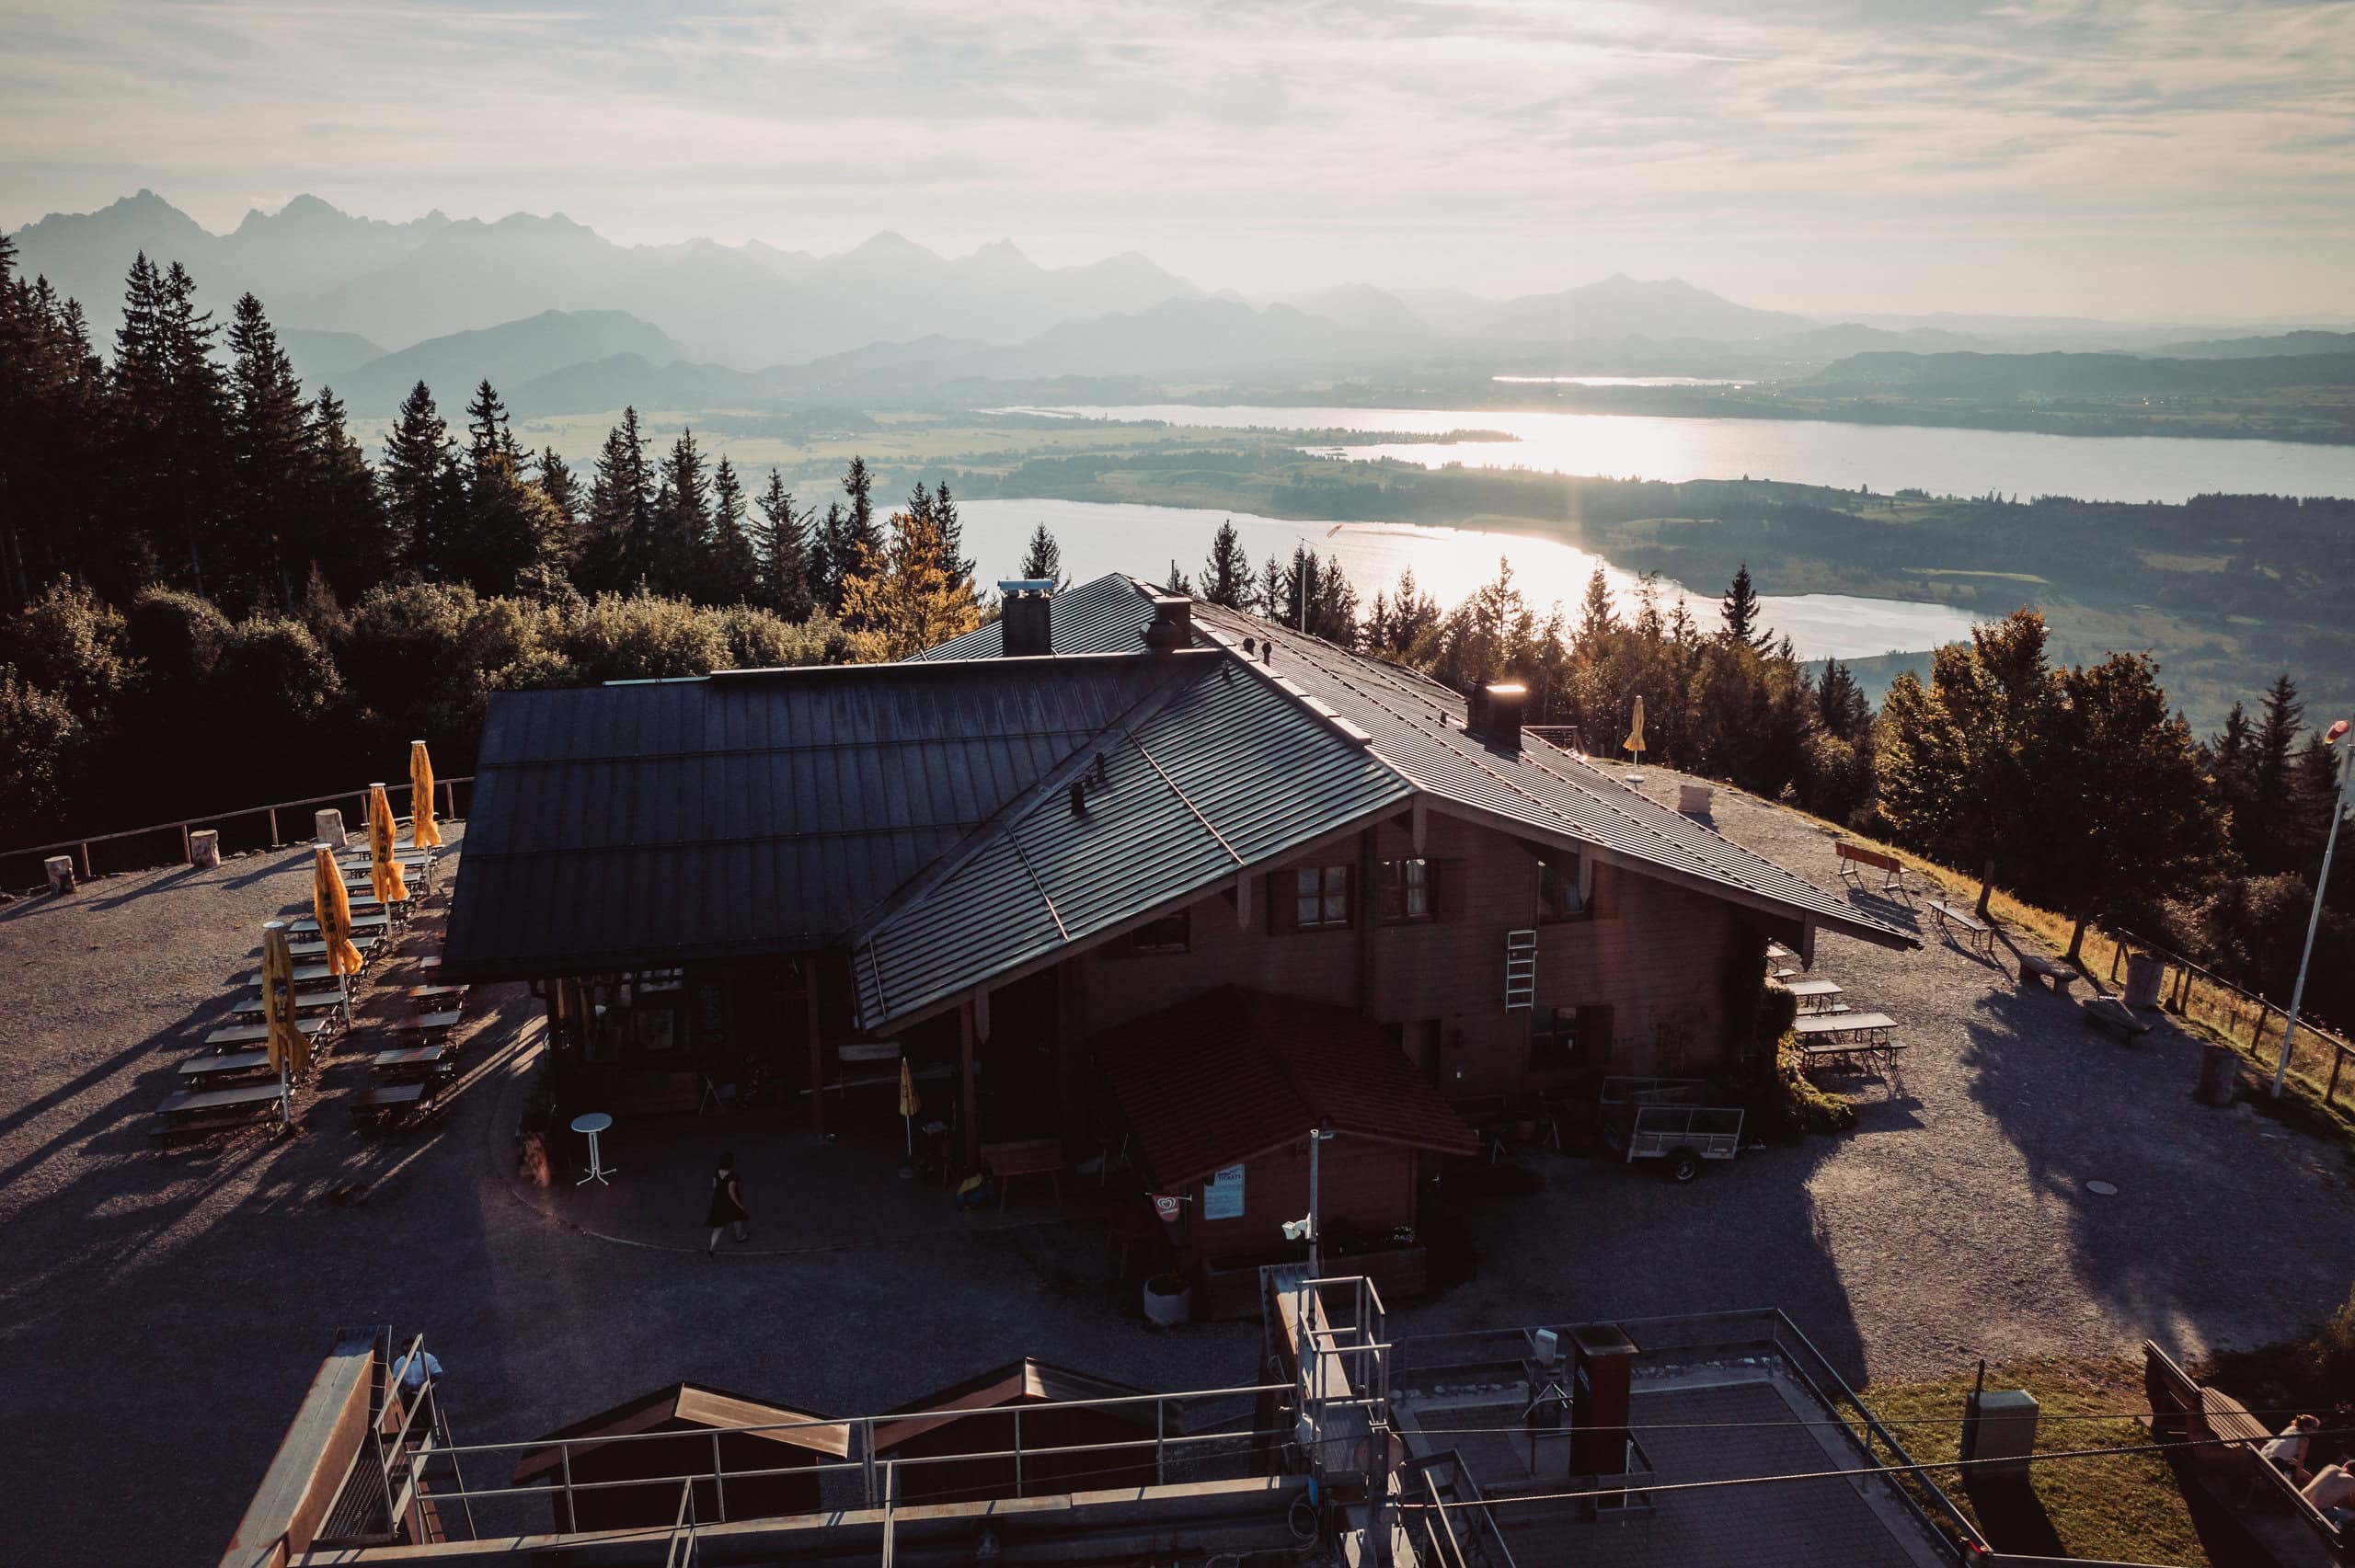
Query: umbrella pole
[[909, 1125], [285, 1096]]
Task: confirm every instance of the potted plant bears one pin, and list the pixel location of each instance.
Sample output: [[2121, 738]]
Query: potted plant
[[1169, 1299]]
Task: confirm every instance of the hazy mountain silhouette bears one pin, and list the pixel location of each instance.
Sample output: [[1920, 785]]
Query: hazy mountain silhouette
[[2284, 343], [1621, 306], [326, 358], [510, 355]]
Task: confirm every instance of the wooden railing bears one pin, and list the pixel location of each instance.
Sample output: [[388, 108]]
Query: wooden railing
[[241, 828], [2253, 1022]]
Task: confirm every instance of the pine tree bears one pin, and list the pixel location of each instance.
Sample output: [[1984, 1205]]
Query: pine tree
[[424, 491], [1841, 710], [952, 535], [731, 569], [617, 530], [53, 432], [1043, 560], [1227, 571], [785, 554], [1597, 618], [831, 558], [511, 527], [269, 456], [2267, 835], [169, 431], [860, 537], [682, 520], [352, 541], [561, 489], [1741, 612], [1175, 585], [1271, 590]]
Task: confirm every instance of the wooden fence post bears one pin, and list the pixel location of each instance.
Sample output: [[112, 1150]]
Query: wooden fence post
[[188, 851], [2337, 1056], [274, 827], [86, 860]]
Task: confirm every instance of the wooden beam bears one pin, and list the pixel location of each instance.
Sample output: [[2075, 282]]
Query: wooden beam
[[817, 1047], [982, 1013], [967, 1097], [1418, 819], [1243, 880]]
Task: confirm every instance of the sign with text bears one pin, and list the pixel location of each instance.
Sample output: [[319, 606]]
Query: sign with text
[[1223, 1194]]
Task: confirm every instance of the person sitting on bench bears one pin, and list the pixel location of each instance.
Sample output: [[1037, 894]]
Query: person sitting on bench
[[2288, 1452], [2332, 1492]]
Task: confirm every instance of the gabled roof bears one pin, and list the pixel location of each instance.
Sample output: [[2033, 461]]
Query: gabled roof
[[1026, 1381], [1230, 1075], [652, 823], [1417, 725], [686, 1404], [1216, 771], [1107, 614]]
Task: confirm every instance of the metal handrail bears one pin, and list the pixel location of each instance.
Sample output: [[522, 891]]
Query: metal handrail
[[2126, 943], [449, 795]]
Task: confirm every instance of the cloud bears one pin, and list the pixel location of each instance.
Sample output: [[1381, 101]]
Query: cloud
[[1498, 143]]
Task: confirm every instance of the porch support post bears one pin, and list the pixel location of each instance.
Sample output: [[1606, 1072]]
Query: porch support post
[[1367, 899], [1243, 880], [967, 1097], [1418, 819], [1070, 1057], [810, 968]]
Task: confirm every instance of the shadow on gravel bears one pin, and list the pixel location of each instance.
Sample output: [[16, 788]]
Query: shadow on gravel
[[142, 888]]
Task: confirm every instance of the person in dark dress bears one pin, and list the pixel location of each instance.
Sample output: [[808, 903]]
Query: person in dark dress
[[727, 1205]]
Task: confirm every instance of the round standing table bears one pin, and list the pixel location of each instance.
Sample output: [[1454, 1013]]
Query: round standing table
[[593, 1123]]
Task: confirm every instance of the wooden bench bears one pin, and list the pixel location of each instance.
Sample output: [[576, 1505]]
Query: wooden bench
[[1028, 1157], [414, 1061], [2046, 974], [192, 1112], [427, 1023], [1974, 933], [1853, 1054], [437, 998], [317, 949], [1893, 870], [201, 1070], [2112, 1016], [2222, 1434], [383, 1104], [236, 1034], [331, 1002]]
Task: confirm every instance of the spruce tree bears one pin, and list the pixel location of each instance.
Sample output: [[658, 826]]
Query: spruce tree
[[2267, 837], [1270, 595], [1226, 570], [952, 536], [1042, 561], [830, 557], [424, 491], [616, 532], [682, 520], [862, 538], [561, 491], [511, 527], [353, 541], [1597, 617], [269, 456], [732, 568], [1841, 710], [784, 553], [1741, 610]]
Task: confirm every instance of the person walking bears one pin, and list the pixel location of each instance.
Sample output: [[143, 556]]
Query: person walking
[[727, 1207]]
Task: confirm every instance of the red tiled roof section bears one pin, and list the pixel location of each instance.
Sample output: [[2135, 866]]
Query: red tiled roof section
[[1235, 1073]]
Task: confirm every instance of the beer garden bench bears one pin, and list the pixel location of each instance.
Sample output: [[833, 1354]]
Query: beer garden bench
[[2046, 974], [1967, 929], [1893, 870], [1027, 1157]]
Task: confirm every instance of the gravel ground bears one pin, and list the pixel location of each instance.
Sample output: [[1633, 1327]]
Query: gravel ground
[[162, 1312]]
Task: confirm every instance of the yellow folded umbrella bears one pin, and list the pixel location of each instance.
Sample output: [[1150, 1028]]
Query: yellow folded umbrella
[[1634, 741], [332, 907], [384, 871], [290, 1050], [422, 829]]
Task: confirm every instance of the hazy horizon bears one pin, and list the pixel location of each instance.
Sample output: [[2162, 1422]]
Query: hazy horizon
[[2169, 162]]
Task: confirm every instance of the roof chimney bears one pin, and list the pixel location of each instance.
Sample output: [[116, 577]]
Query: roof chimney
[[1027, 618], [1500, 714], [1173, 623]]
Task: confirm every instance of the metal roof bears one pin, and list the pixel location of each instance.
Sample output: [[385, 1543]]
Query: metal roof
[[1417, 726], [651, 823], [1107, 614], [1220, 770]]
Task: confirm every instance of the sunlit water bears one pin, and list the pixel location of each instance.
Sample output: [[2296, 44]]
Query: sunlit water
[[1449, 563], [1808, 451], [1617, 380]]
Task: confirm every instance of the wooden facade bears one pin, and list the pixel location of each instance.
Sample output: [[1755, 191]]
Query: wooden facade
[[978, 1418]]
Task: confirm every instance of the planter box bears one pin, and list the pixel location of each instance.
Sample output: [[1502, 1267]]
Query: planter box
[[1229, 1292]]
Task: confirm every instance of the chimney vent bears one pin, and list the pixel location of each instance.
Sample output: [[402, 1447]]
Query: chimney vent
[[1027, 618], [1500, 714], [1079, 797], [1173, 623]]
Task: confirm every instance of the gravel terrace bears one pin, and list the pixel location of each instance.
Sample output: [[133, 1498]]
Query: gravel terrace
[[162, 1312]]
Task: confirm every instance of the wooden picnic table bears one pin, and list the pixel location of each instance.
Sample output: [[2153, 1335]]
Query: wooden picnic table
[[1846, 1039], [305, 975], [305, 1001], [319, 949], [374, 921], [205, 1110], [1976, 933], [427, 1022], [228, 1064], [1778, 954], [233, 1034], [381, 1102], [404, 1060], [425, 998], [1831, 1026], [1816, 995]]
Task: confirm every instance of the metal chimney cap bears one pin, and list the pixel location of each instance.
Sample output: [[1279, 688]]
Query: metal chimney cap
[[1026, 585]]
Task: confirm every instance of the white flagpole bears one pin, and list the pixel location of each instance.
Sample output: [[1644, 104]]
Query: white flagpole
[[2321, 885]]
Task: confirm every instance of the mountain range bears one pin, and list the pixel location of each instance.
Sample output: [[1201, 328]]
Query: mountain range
[[564, 320]]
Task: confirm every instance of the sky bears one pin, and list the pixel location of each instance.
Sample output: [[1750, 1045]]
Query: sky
[[2151, 159]]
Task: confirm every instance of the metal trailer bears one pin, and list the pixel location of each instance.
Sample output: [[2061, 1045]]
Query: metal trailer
[[1657, 1119]]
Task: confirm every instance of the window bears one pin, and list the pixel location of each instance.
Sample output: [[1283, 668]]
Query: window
[[1569, 1038], [1170, 933], [1321, 897], [1406, 891], [1559, 874]]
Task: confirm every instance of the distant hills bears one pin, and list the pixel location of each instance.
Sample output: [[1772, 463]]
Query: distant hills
[[563, 320]]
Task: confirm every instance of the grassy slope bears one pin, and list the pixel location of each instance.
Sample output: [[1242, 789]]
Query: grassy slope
[[2125, 1507]]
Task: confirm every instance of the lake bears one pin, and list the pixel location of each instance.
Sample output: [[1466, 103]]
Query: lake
[[1449, 563], [1807, 452]]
